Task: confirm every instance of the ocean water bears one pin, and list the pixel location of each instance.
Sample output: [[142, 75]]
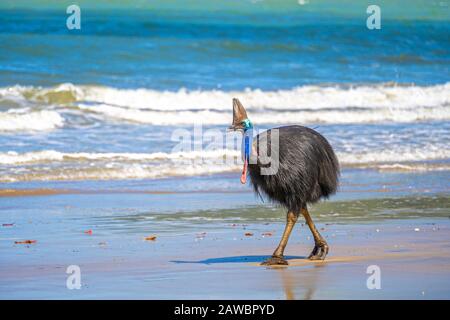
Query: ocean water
[[111, 101]]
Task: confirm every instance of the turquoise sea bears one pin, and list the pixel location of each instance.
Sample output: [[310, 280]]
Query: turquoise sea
[[103, 102]]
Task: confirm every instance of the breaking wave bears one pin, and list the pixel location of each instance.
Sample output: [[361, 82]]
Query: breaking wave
[[31, 121], [54, 165], [387, 102]]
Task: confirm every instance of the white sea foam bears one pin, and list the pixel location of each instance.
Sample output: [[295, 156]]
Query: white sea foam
[[30, 121], [397, 155], [131, 171], [305, 97], [12, 157], [105, 166], [82, 166], [272, 117], [306, 104]]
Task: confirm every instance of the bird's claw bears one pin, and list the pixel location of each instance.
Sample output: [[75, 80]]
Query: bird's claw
[[274, 260], [319, 252]]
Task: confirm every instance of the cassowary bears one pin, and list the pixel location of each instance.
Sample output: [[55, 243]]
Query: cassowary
[[306, 171]]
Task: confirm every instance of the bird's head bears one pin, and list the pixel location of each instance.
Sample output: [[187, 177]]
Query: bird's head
[[240, 119]]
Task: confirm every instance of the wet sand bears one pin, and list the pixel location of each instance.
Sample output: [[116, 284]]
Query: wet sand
[[208, 255], [47, 192]]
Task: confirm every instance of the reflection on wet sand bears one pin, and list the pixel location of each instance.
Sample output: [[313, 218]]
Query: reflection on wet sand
[[300, 283]]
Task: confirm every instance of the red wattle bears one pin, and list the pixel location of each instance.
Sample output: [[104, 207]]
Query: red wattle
[[244, 173]]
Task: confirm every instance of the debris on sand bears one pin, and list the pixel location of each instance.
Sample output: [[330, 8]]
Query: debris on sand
[[201, 235], [150, 238], [25, 242]]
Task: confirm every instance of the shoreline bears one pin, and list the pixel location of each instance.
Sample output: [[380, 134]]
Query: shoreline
[[173, 266], [48, 192], [355, 182], [213, 230]]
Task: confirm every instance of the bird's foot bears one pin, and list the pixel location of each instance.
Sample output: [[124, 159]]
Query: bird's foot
[[319, 252], [275, 260]]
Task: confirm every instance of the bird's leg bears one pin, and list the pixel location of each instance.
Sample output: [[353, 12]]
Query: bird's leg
[[320, 250], [277, 256]]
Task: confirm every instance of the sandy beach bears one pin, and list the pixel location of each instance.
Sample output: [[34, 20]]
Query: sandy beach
[[205, 250]]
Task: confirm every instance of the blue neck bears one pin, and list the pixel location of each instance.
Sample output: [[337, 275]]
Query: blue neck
[[247, 139], [247, 124]]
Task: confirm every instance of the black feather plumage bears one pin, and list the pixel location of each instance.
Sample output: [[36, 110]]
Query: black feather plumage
[[308, 167]]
